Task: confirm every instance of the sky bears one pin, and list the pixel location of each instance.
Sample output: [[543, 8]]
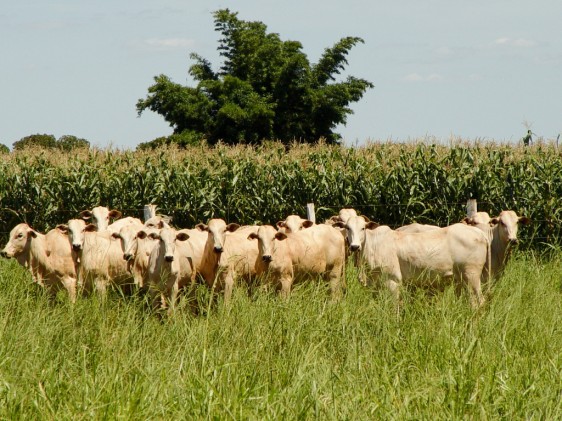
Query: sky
[[478, 70]]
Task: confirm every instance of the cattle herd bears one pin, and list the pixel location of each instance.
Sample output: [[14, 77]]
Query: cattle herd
[[154, 257]]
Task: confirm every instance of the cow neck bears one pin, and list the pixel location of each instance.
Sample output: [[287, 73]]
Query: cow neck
[[37, 259], [500, 249]]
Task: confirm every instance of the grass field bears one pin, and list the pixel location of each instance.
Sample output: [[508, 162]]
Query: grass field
[[305, 358]]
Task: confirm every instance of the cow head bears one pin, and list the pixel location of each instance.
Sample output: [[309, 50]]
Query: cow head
[[294, 223], [128, 237], [168, 238], [19, 242], [355, 229], [507, 225], [266, 236], [77, 230], [101, 216], [217, 229], [477, 218]]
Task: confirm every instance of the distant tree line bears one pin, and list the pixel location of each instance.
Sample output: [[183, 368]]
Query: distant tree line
[[48, 141]]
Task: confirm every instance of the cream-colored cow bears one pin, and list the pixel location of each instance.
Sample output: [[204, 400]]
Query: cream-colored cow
[[48, 257], [316, 251]]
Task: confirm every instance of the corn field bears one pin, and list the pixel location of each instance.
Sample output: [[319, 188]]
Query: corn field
[[391, 183]]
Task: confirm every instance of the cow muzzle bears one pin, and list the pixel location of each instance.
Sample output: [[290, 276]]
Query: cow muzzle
[[354, 247], [4, 254], [218, 249], [169, 258], [127, 256], [77, 247], [513, 241], [266, 258]]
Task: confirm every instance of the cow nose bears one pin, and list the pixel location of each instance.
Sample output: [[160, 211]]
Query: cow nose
[[3, 253], [354, 247], [76, 247], [169, 258], [127, 256], [513, 241], [218, 249], [266, 258]]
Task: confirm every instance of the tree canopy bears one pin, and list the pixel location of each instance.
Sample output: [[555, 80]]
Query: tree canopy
[[265, 88], [48, 141]]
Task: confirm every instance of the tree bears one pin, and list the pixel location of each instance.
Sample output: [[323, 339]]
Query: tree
[[4, 149], [36, 140], [69, 142], [48, 141], [265, 89]]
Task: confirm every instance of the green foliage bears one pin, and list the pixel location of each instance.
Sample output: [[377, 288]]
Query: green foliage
[[305, 358], [4, 149], [394, 184], [48, 141], [265, 89], [36, 140], [181, 140]]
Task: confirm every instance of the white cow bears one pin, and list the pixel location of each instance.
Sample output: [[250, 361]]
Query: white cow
[[137, 246], [99, 257], [316, 251], [102, 216], [477, 218], [293, 223], [457, 252], [227, 254], [48, 257], [502, 234], [169, 267]]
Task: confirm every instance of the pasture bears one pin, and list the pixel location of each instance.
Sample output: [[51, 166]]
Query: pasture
[[305, 358]]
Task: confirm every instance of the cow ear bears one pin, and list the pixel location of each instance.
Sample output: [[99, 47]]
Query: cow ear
[[202, 227], [116, 235], [85, 214], [182, 236], [232, 227], [115, 214], [154, 236], [365, 218], [524, 220], [371, 225], [63, 228], [466, 220], [307, 224], [280, 236], [90, 228], [281, 224], [339, 225], [494, 221], [32, 233], [253, 236], [141, 234]]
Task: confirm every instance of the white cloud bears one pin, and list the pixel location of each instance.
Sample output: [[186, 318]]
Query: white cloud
[[416, 77], [168, 43], [519, 42]]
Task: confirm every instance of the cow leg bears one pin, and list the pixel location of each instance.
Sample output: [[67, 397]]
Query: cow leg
[[286, 283], [228, 287], [473, 280], [335, 281], [70, 286], [101, 286]]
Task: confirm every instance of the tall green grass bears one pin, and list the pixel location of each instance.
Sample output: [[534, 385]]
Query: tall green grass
[[305, 358]]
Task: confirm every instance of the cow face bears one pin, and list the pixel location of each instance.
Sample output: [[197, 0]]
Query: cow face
[[477, 218], [101, 216], [168, 238], [217, 230], [507, 223], [356, 227], [266, 237], [77, 230], [19, 242], [129, 242], [294, 223]]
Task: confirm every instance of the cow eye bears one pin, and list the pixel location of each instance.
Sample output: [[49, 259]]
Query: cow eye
[[20, 235]]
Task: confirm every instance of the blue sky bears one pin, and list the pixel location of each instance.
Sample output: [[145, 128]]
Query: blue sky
[[442, 68]]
